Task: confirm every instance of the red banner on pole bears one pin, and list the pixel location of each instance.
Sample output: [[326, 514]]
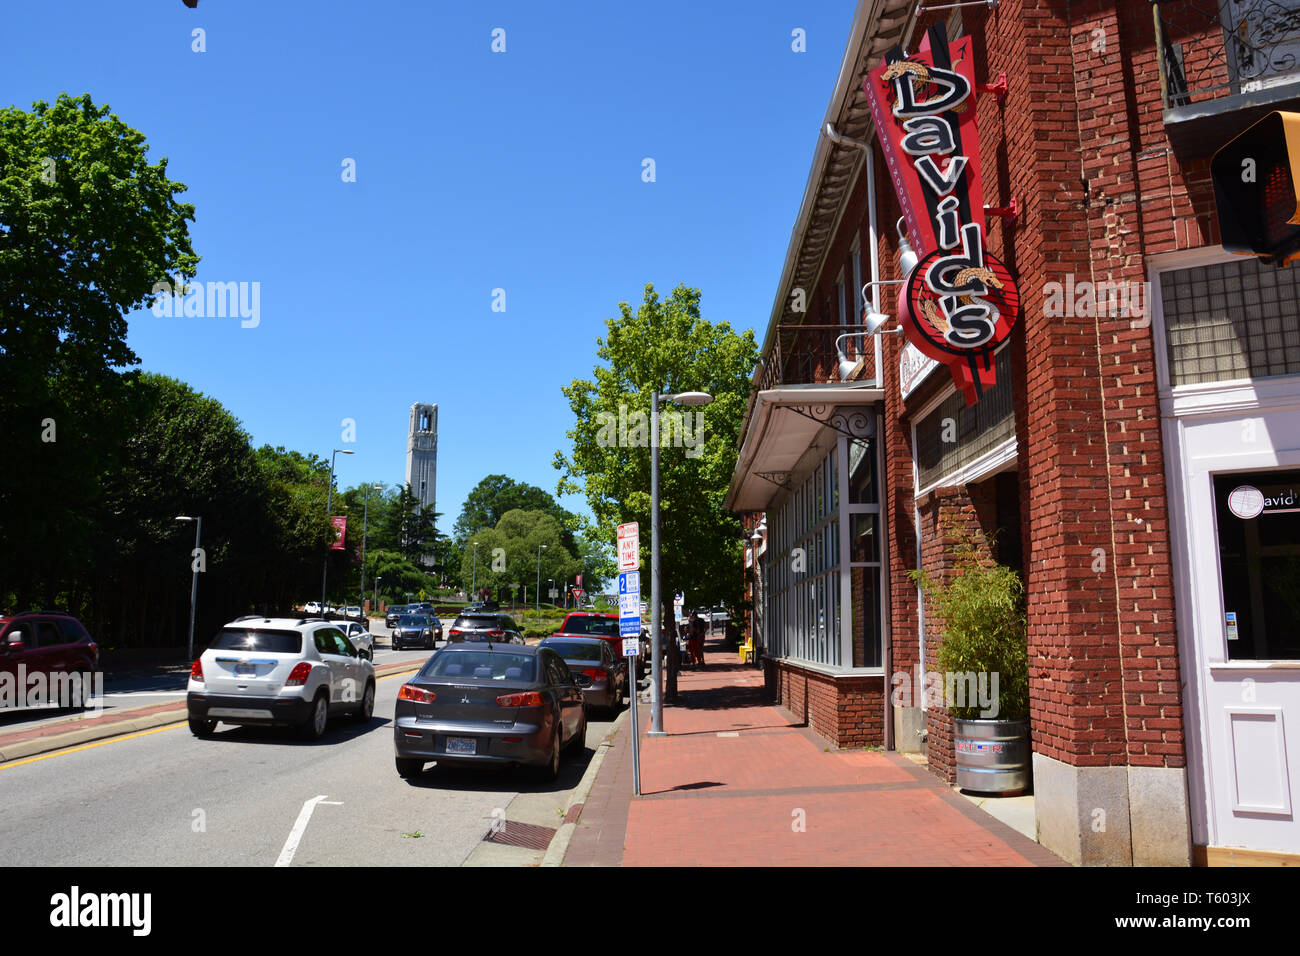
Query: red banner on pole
[[340, 523], [960, 303]]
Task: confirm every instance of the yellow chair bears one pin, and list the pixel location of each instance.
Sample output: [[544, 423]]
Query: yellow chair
[[747, 651]]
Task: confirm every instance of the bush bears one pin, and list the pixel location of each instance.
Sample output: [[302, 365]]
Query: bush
[[984, 631]]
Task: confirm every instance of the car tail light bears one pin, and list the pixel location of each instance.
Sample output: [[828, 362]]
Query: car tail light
[[596, 673], [496, 633], [196, 670], [417, 694], [298, 676], [454, 631], [528, 699]]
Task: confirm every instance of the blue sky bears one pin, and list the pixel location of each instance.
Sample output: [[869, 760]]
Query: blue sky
[[475, 171]]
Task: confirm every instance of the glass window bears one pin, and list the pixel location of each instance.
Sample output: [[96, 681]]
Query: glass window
[[862, 472], [268, 642], [1259, 563], [866, 616], [864, 544], [1233, 320]]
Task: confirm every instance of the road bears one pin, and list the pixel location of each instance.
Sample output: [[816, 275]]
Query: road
[[164, 797]]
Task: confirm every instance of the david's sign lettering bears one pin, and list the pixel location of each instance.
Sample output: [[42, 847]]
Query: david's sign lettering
[[960, 303]]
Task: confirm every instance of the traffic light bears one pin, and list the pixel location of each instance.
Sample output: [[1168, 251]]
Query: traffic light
[[1255, 177]]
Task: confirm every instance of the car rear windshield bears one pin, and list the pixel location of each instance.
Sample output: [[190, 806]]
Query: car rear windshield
[[490, 621], [573, 651], [601, 626], [270, 642], [413, 620], [485, 665]]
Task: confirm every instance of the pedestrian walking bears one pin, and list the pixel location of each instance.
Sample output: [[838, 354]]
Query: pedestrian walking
[[695, 640]]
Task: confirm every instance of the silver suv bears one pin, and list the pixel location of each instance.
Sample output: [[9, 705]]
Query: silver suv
[[266, 671]]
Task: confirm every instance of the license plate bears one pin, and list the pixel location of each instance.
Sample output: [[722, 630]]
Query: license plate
[[462, 745], [245, 670]]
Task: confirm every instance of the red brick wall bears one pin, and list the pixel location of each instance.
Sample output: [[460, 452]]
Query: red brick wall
[[847, 712]]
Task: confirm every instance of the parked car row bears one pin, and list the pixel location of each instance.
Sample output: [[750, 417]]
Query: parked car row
[[487, 698]]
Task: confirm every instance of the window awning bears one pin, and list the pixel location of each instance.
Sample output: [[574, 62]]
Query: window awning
[[788, 422]]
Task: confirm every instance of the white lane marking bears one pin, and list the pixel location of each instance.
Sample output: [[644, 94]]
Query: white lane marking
[[300, 827], [145, 693]]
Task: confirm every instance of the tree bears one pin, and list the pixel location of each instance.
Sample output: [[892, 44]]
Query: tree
[[665, 345], [496, 494], [511, 554], [87, 227]]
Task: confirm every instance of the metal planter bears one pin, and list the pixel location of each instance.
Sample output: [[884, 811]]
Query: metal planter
[[992, 755]]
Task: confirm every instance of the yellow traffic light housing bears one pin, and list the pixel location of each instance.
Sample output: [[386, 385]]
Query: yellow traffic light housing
[[1255, 178]]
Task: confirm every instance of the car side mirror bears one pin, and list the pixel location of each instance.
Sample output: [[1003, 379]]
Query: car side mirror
[[15, 641]]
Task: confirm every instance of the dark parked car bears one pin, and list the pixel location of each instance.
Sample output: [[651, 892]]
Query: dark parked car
[[593, 658], [481, 626], [593, 624], [418, 630], [489, 704], [55, 645], [395, 611]]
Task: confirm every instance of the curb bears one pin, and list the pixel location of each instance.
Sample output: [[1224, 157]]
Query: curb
[[41, 745], [172, 714], [559, 845]]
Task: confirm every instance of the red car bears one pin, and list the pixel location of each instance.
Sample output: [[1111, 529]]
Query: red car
[[54, 645]]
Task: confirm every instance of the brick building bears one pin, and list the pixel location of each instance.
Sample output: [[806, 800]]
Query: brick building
[[1150, 387]]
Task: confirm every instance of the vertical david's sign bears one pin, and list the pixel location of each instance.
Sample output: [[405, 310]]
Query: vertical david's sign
[[960, 303]]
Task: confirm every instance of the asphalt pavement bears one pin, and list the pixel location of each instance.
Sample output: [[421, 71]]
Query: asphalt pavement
[[261, 797]]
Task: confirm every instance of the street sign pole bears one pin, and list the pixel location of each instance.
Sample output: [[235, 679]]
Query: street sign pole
[[629, 629]]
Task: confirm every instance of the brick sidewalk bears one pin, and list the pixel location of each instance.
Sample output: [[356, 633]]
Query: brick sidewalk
[[714, 800]]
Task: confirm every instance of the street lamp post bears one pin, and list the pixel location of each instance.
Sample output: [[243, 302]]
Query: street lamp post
[[194, 579], [656, 638], [378, 578], [365, 524], [539, 583], [329, 506]]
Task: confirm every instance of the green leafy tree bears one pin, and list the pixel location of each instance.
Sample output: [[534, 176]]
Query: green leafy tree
[[510, 555], [87, 227], [665, 345], [496, 494]]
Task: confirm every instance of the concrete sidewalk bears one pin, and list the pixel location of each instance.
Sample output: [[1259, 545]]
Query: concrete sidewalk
[[740, 782]]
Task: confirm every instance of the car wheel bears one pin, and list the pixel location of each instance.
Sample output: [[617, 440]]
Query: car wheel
[[366, 709], [202, 728], [579, 742], [313, 728], [552, 768], [408, 767]]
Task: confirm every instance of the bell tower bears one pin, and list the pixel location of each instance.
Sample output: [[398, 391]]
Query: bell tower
[[422, 453]]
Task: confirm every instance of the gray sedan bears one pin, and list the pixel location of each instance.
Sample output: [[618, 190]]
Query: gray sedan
[[488, 704], [593, 657]]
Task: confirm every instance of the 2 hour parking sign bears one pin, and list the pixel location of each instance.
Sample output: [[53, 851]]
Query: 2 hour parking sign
[[629, 603]]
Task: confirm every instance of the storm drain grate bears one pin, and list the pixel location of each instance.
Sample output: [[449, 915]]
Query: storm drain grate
[[527, 835]]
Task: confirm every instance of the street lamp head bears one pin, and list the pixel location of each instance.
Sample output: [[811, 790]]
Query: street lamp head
[[689, 398], [344, 451], [184, 518]]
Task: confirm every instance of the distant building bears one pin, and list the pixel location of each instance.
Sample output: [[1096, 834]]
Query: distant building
[[422, 453]]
